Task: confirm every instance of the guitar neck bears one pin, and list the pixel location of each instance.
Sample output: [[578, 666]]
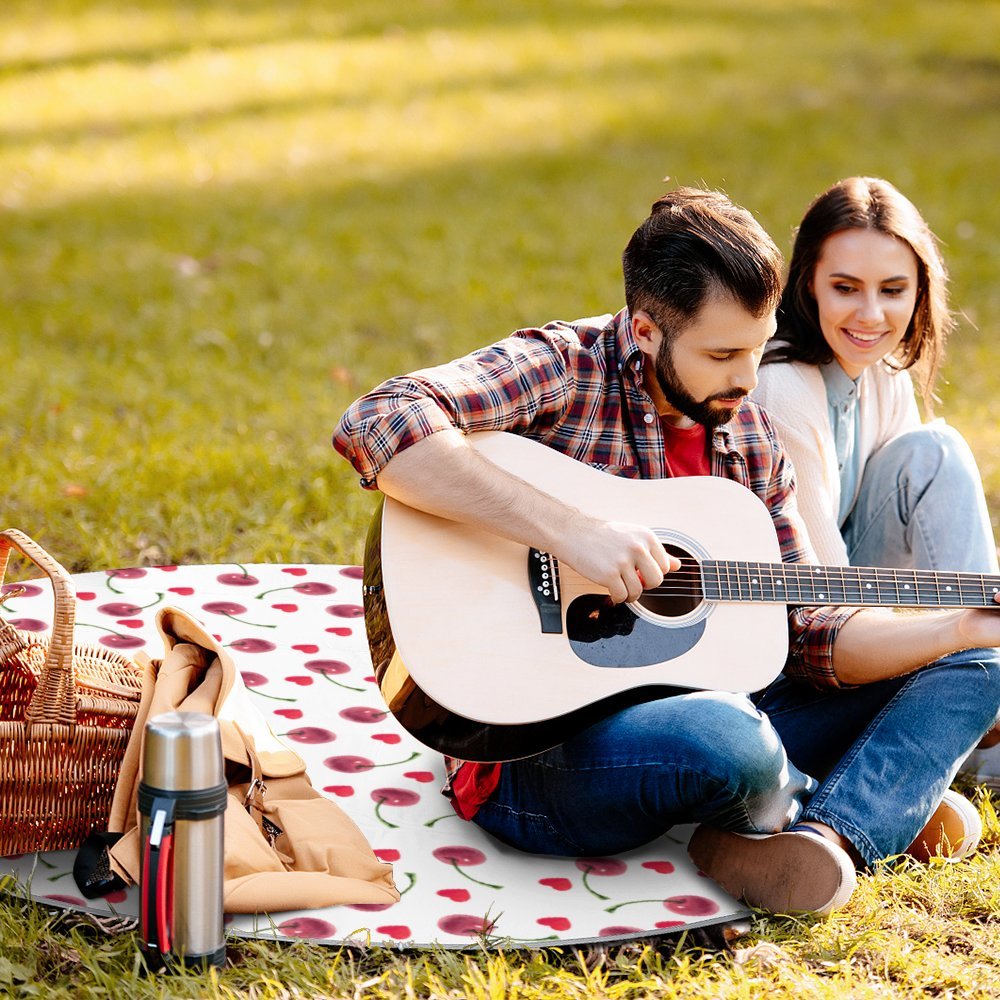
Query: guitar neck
[[801, 583]]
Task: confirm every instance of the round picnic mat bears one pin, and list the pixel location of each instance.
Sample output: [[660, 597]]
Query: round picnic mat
[[297, 636]]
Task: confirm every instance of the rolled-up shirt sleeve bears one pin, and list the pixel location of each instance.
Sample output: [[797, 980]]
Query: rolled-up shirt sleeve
[[515, 384]]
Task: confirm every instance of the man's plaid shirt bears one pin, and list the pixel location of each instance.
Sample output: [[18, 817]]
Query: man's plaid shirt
[[577, 387]]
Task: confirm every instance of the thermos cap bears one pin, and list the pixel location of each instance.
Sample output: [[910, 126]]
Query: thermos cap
[[182, 752]]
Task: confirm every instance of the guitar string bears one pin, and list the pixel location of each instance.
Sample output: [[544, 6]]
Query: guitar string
[[688, 581]]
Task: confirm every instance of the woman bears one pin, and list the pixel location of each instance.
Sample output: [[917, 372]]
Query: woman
[[865, 305]]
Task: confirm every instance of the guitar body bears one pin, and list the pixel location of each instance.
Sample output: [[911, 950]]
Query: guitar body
[[457, 634]]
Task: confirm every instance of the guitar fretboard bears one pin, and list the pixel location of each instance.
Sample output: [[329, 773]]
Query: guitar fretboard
[[793, 583]]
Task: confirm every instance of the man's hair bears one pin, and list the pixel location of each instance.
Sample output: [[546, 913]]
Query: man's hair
[[693, 245], [874, 204]]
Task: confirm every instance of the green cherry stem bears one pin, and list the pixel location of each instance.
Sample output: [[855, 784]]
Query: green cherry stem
[[412, 876], [437, 819], [273, 697], [273, 590], [629, 902], [397, 763], [589, 887], [461, 871], [346, 687], [381, 818]]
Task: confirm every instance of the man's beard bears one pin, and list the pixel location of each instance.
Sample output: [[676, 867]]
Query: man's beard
[[680, 399]]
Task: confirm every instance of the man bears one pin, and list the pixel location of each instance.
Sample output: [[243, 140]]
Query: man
[[860, 739]]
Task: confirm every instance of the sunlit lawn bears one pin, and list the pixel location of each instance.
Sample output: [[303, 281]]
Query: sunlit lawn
[[222, 221]]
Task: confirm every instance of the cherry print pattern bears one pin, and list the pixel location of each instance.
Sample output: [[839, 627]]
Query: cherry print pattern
[[458, 886]]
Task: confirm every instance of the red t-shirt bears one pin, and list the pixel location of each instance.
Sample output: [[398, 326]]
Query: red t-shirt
[[686, 455]]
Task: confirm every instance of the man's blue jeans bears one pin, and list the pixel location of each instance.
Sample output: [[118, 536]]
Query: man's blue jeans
[[872, 762]]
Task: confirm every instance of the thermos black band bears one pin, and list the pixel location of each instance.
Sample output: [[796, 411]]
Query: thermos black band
[[196, 803]]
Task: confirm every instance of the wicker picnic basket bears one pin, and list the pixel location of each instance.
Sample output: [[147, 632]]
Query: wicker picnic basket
[[66, 712]]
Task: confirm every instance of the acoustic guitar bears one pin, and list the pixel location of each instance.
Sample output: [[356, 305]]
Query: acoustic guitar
[[488, 650]]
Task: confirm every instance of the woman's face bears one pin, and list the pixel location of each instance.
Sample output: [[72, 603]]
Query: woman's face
[[865, 285]]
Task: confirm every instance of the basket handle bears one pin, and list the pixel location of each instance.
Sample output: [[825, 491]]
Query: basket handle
[[54, 700]]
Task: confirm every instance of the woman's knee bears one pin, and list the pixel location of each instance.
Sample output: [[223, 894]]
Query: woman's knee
[[927, 452]]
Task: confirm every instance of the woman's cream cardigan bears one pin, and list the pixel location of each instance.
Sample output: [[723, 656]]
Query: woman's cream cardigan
[[794, 395]]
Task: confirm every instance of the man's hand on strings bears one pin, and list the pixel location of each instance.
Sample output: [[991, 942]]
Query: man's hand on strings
[[624, 558]]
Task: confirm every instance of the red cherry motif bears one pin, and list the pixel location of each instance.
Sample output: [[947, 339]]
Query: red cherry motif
[[466, 925], [252, 646], [299, 679], [294, 570], [286, 608], [23, 589], [353, 572], [387, 854], [181, 591], [620, 931], [663, 867], [314, 588], [422, 776], [456, 895], [392, 797], [370, 907], [559, 884], [341, 791], [123, 609], [339, 631], [306, 647], [556, 923], [241, 579], [130, 622], [289, 713], [307, 927], [311, 735], [602, 867], [86, 595], [328, 668], [122, 574], [669, 923], [390, 738], [363, 713], [166, 569], [691, 906], [349, 764], [29, 624], [345, 610], [457, 856], [230, 609], [398, 931]]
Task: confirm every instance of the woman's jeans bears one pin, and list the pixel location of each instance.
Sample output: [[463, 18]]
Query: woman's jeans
[[920, 505], [872, 761]]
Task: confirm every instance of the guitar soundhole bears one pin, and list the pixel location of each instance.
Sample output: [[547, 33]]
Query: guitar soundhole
[[680, 593]]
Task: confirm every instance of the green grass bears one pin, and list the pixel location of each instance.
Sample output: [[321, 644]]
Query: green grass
[[221, 221]]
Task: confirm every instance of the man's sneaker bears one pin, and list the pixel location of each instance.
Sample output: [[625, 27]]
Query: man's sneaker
[[953, 831], [789, 872]]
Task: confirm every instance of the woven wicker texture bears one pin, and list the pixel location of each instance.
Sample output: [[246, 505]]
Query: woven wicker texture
[[66, 711]]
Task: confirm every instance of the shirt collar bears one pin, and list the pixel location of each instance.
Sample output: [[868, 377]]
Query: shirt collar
[[840, 387]]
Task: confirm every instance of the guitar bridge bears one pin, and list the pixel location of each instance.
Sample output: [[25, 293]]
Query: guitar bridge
[[543, 577]]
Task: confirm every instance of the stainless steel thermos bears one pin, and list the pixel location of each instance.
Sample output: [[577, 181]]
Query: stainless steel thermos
[[182, 801]]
